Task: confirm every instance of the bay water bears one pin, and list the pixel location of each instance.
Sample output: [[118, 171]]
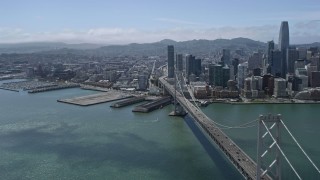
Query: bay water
[[41, 138]]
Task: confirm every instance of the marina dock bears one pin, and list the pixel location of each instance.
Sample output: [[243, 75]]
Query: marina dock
[[52, 88], [95, 98]]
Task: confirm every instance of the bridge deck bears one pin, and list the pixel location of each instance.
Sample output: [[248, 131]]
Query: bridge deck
[[246, 166]]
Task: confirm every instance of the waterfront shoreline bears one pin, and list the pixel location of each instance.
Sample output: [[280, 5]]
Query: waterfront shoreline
[[255, 103]]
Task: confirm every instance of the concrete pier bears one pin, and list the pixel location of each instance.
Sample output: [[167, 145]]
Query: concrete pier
[[96, 98], [94, 88], [153, 105], [128, 102]]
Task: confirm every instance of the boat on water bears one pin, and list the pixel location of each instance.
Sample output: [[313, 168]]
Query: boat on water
[[204, 103]]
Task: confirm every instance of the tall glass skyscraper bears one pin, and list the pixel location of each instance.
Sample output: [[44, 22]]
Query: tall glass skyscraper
[[270, 48], [225, 57], [170, 61], [179, 62], [283, 46], [284, 36], [276, 63]]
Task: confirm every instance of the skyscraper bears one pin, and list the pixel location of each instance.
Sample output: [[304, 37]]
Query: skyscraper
[[276, 56], [226, 57], [242, 74], [142, 82], [284, 36], [217, 75], [189, 64], [235, 63], [179, 62], [292, 57], [280, 87], [170, 61], [211, 74], [225, 75], [270, 48], [283, 46], [255, 61], [197, 67]]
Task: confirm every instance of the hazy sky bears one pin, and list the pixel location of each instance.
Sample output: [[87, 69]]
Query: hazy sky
[[127, 21]]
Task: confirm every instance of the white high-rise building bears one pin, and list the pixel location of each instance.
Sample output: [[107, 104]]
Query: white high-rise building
[[304, 82], [259, 82], [242, 74], [280, 86]]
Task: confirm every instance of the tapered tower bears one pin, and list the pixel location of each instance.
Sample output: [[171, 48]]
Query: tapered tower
[[283, 46], [284, 36]]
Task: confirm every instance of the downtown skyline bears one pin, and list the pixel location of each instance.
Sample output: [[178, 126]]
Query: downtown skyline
[[123, 22]]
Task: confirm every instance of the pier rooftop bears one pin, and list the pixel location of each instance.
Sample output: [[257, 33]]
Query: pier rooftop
[[96, 98]]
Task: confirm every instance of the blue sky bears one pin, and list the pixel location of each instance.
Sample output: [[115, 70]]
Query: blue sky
[[127, 21]]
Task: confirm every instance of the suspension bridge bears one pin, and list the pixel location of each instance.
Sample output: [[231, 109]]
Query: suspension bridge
[[213, 130]]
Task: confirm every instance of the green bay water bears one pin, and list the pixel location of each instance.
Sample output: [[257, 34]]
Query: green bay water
[[43, 139], [303, 120]]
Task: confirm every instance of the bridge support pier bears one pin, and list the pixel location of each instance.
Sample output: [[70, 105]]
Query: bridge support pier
[[178, 111]]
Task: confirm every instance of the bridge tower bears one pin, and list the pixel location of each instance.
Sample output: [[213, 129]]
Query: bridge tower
[[178, 109], [269, 124]]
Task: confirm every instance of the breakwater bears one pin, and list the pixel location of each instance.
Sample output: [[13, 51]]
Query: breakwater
[[9, 89]]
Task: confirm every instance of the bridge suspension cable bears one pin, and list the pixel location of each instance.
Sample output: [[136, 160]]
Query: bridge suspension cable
[[197, 107], [281, 150], [247, 125], [241, 126], [294, 139]]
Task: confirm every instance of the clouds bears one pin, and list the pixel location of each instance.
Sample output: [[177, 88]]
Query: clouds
[[313, 24], [306, 31], [178, 21], [302, 32]]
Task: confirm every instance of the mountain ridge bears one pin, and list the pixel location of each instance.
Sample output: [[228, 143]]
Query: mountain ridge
[[195, 46]]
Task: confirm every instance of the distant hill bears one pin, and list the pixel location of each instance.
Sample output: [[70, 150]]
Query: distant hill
[[43, 46], [315, 44], [195, 47]]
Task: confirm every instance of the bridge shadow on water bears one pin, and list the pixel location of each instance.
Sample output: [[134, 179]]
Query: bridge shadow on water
[[222, 163]]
